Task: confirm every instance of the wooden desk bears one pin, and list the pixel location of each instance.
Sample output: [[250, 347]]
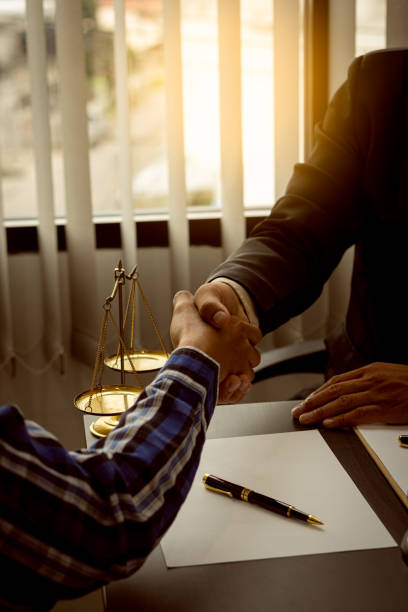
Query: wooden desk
[[367, 580]]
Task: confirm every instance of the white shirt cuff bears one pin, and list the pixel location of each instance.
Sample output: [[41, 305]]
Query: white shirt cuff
[[244, 298]]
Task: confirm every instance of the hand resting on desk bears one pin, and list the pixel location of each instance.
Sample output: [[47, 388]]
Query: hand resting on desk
[[376, 393]]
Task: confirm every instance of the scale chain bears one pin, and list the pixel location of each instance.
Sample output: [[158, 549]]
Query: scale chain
[[100, 355], [149, 312], [126, 351]]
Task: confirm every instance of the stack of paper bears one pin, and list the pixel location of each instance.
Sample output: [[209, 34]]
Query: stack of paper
[[381, 441]]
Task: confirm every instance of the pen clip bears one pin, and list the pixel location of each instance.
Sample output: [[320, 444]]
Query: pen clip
[[216, 489], [228, 493]]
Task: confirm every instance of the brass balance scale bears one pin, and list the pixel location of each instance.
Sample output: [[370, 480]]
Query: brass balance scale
[[110, 401]]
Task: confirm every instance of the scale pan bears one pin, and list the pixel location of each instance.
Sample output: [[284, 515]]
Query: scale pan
[[143, 361], [107, 400]]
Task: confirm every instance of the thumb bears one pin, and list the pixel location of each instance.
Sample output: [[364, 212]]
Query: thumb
[[211, 307]]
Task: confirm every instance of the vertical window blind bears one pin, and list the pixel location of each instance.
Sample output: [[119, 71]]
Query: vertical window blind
[[177, 197]]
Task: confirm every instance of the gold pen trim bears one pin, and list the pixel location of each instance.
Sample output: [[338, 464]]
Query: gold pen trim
[[228, 493], [207, 486], [244, 494], [313, 520], [289, 510]]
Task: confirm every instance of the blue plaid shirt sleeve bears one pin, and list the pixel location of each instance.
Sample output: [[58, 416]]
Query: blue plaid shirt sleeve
[[73, 521]]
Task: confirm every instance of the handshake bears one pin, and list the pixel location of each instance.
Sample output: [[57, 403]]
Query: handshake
[[214, 321]]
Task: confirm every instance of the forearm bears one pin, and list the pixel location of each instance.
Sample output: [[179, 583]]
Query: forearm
[[279, 281], [156, 450], [96, 514]]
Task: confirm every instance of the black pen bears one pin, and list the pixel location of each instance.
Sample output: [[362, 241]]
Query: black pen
[[403, 440], [213, 483]]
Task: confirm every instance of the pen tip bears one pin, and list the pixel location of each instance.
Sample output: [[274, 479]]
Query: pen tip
[[314, 520]]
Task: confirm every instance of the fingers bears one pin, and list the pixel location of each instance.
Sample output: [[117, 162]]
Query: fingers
[[239, 352], [233, 389], [338, 385], [254, 357], [184, 320], [363, 415], [375, 393], [343, 411], [340, 405], [254, 335], [331, 391], [250, 335]]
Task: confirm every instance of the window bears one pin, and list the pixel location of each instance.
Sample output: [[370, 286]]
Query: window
[[370, 25], [145, 58]]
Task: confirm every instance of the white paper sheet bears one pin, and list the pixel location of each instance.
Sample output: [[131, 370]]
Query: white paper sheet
[[392, 459], [296, 467]]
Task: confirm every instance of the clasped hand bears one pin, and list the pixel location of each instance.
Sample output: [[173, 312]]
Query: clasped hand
[[217, 304], [376, 393], [232, 346]]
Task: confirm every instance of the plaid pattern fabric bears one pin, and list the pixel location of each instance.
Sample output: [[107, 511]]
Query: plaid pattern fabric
[[73, 521]]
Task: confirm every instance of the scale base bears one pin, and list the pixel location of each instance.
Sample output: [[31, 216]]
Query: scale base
[[104, 425]]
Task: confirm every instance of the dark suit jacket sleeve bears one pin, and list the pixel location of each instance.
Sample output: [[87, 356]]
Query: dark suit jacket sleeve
[[288, 257]]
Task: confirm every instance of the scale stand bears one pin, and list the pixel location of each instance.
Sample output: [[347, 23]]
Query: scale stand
[[111, 401]]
